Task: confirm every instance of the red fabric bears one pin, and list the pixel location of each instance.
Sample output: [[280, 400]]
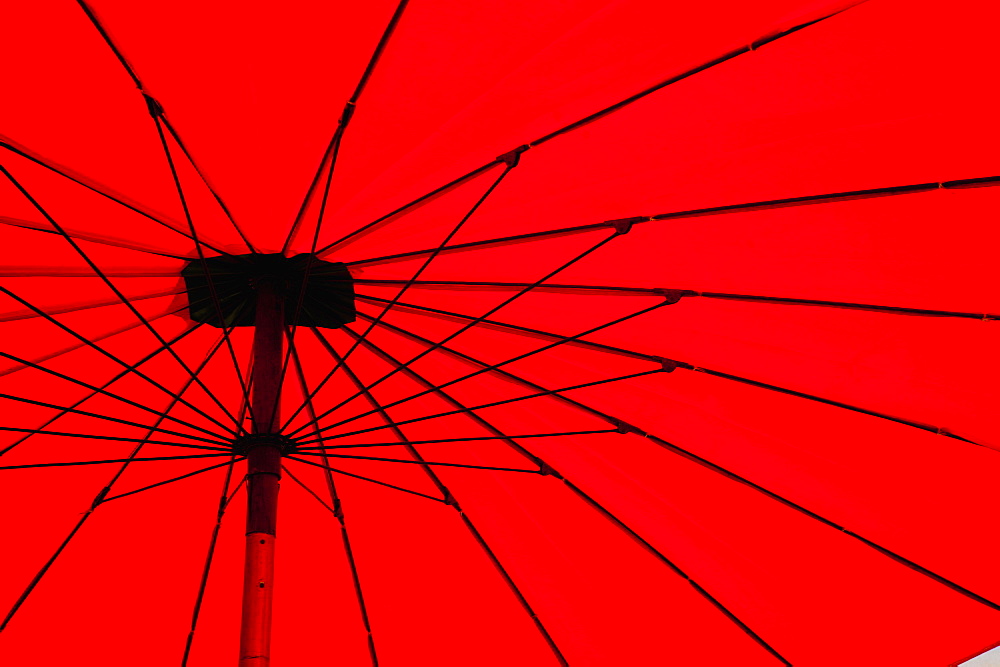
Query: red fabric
[[884, 93]]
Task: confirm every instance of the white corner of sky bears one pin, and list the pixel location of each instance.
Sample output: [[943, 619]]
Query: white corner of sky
[[988, 659]]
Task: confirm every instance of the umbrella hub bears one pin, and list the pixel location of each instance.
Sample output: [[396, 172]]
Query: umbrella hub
[[243, 444], [317, 293]]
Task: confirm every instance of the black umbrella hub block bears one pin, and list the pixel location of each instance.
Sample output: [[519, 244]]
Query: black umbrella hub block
[[244, 443], [327, 300]]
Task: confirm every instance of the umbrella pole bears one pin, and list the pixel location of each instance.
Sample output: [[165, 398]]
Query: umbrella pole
[[263, 475]]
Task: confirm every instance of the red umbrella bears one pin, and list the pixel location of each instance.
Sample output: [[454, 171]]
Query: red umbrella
[[592, 333]]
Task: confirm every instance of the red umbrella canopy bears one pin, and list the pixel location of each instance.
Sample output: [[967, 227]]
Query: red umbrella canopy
[[614, 332]]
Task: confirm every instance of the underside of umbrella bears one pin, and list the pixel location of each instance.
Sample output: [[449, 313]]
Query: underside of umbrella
[[593, 333]]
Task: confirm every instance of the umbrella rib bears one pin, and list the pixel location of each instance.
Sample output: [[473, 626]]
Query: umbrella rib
[[511, 160], [102, 390], [239, 486], [104, 336], [817, 517], [838, 404], [461, 355], [101, 350], [501, 240], [429, 463], [574, 260], [807, 200], [453, 502], [299, 444], [65, 409], [753, 46], [86, 398], [891, 310], [73, 348], [736, 378], [300, 299], [151, 102], [90, 436], [367, 479], [749, 48], [53, 272], [98, 499], [665, 364], [48, 564], [656, 553], [334, 151], [115, 243], [225, 209], [156, 112], [107, 39], [629, 428], [329, 154], [419, 200], [83, 400], [203, 584], [534, 333], [338, 513], [543, 466], [379, 48], [308, 490], [345, 118], [682, 293], [479, 419], [98, 189], [15, 316], [173, 479], [448, 284], [62, 464], [128, 304], [483, 406], [112, 438]]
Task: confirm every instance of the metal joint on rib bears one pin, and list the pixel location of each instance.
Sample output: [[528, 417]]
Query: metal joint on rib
[[99, 498], [545, 469], [154, 107], [673, 295], [624, 225], [625, 428], [670, 365], [347, 114], [511, 158]]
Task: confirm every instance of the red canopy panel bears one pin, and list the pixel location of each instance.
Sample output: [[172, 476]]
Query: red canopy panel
[[704, 379]]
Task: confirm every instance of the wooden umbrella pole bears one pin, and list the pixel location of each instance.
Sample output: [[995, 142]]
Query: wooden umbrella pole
[[263, 475]]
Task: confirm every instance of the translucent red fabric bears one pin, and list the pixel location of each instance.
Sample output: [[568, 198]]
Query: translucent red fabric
[[763, 427]]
